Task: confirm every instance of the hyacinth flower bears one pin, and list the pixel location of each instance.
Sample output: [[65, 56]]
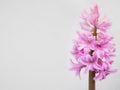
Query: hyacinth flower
[[91, 20], [93, 50]]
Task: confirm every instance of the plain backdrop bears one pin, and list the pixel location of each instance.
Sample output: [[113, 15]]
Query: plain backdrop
[[36, 40]]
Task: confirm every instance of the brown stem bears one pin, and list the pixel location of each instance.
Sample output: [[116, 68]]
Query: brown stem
[[91, 81], [95, 32], [92, 73]]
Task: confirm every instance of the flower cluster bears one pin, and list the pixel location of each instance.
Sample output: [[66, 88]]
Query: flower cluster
[[93, 49]]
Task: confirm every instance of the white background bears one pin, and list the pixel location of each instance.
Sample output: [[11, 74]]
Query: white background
[[36, 39]]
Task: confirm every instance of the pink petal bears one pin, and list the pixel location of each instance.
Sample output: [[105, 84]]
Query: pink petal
[[98, 77], [82, 61], [76, 67], [85, 26], [94, 9], [113, 71], [88, 68], [104, 25], [96, 66], [84, 15]]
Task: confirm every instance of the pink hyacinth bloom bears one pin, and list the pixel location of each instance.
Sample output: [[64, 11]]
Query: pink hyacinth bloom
[[86, 40], [76, 67], [103, 25], [93, 50], [102, 74], [90, 62], [86, 26], [109, 52], [105, 70], [91, 20], [91, 17], [102, 44]]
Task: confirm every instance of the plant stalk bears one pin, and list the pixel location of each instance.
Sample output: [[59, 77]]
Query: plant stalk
[[92, 73], [91, 81]]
